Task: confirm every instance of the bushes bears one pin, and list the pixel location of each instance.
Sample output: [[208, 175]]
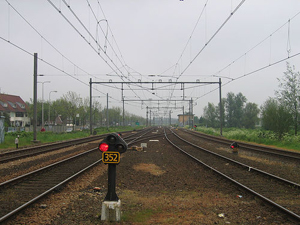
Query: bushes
[[26, 138], [259, 136]]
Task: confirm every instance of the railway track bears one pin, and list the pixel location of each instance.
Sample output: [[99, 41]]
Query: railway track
[[42, 149], [281, 193], [18, 193], [249, 147]]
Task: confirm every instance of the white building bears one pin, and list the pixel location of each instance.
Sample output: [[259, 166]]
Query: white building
[[16, 108]]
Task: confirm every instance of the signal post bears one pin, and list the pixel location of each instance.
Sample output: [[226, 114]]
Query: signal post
[[111, 147]]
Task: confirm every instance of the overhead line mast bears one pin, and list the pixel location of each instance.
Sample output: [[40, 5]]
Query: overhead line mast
[[153, 88]]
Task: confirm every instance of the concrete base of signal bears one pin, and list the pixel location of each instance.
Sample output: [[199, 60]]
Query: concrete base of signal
[[111, 211]]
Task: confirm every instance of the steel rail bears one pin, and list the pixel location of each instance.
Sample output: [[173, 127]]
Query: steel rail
[[36, 150], [289, 212], [250, 147], [249, 168], [47, 192], [135, 139], [41, 149], [15, 180], [9, 182]]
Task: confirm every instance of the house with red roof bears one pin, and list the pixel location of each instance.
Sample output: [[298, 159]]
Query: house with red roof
[[16, 108]]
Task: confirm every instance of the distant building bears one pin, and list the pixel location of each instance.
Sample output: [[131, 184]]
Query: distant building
[[185, 119], [16, 108]]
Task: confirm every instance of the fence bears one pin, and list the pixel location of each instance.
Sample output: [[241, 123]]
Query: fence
[[2, 129], [55, 129]]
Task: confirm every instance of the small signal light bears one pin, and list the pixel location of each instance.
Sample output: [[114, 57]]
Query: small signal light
[[120, 148], [103, 147], [234, 145], [113, 142], [111, 139]]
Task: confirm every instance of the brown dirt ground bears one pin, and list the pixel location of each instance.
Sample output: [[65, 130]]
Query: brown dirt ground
[[158, 185]]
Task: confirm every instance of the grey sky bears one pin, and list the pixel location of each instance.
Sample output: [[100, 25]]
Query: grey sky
[[149, 37]]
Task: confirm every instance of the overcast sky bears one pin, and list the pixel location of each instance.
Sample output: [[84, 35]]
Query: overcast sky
[[128, 40]]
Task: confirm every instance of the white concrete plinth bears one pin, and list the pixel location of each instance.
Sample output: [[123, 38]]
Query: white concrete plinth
[[111, 210]]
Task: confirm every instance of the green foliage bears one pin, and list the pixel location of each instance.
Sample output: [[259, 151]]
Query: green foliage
[[47, 137], [250, 115], [275, 117], [259, 136], [139, 217], [289, 93], [6, 119], [234, 113], [210, 115]]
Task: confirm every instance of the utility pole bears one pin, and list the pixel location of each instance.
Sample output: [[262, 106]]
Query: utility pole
[[189, 114], [107, 123], [49, 108], [43, 121], [91, 102], [183, 116], [123, 106], [147, 117], [192, 110], [35, 96], [221, 108]]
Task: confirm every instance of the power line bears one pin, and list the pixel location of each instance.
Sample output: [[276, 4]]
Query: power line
[[10, 5], [49, 64], [258, 44], [252, 72], [98, 21], [69, 7], [84, 38], [190, 38], [212, 37]]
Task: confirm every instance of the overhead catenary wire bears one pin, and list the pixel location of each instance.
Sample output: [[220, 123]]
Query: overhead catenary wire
[[190, 38], [48, 42], [122, 77], [252, 72], [207, 43], [123, 65], [108, 26], [212, 37], [84, 38], [51, 65], [260, 42]]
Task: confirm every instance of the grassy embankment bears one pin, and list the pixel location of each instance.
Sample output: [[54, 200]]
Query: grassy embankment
[[47, 137], [288, 141]]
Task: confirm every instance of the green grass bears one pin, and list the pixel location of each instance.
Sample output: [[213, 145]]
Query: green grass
[[288, 141], [138, 217], [26, 138]]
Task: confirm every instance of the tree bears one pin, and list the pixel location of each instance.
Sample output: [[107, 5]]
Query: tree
[[210, 115], [250, 115], [229, 106], [240, 100], [6, 119], [275, 117], [223, 112], [234, 105], [59, 109], [72, 103], [289, 93]]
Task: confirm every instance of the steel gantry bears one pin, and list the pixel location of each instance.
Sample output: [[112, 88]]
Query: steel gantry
[[139, 84]]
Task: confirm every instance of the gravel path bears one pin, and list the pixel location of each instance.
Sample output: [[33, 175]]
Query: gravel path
[[158, 185]]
